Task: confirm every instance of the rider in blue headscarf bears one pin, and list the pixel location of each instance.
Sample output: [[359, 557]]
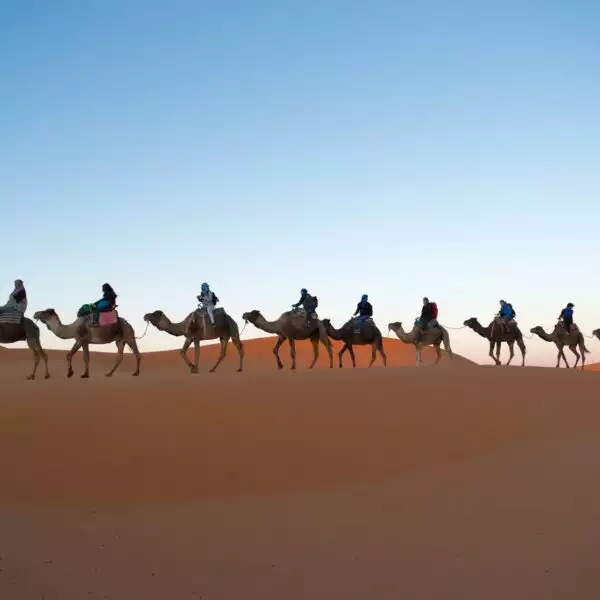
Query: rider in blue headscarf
[[208, 299], [364, 310]]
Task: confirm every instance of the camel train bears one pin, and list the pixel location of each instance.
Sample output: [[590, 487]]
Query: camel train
[[294, 325]]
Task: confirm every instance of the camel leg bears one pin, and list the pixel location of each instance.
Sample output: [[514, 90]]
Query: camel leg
[[183, 354], [511, 349], [573, 349], [224, 342], [86, 360], [352, 356], [438, 352], [340, 354], [382, 352], [240, 348], [196, 356], [280, 340], [38, 352], [70, 355], [138, 357], [582, 350], [494, 358], [119, 360], [292, 342], [325, 340], [373, 353], [419, 350], [523, 350], [561, 354]]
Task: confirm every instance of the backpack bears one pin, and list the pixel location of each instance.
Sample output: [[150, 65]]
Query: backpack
[[312, 301], [513, 314], [434, 310], [215, 299]]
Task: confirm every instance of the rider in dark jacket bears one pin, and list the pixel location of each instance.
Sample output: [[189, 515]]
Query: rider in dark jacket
[[566, 316], [364, 310], [308, 302]]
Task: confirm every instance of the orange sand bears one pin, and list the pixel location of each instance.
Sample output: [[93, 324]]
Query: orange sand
[[443, 482]]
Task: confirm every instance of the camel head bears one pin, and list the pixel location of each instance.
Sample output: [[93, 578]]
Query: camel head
[[45, 315], [251, 316], [154, 317], [537, 330], [472, 322], [596, 333], [394, 326]]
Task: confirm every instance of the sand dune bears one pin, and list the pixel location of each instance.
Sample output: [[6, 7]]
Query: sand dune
[[442, 482]]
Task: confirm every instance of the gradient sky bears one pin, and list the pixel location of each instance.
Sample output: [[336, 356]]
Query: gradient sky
[[399, 149]]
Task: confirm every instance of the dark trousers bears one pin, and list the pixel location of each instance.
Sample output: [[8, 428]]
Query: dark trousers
[[567, 323]]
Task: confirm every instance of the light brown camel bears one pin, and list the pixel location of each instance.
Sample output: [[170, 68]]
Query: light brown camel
[[495, 333], [14, 328], [292, 326], [367, 334], [121, 333], [432, 336], [560, 339], [197, 327]]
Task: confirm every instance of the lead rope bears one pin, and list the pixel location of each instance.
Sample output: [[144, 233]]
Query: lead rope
[[145, 331]]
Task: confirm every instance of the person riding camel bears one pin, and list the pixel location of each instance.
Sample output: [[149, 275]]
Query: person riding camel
[[107, 303], [566, 317], [308, 302], [428, 316], [364, 310], [17, 300], [208, 299], [506, 314]]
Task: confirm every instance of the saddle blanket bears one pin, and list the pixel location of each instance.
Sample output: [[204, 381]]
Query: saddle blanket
[[108, 318], [13, 317]]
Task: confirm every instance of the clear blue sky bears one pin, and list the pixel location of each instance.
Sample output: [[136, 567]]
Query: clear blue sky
[[402, 149]]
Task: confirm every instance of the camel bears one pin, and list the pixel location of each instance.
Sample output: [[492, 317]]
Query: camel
[[121, 333], [368, 334], [432, 336], [596, 333], [15, 328], [196, 327], [496, 334], [292, 326], [560, 339]]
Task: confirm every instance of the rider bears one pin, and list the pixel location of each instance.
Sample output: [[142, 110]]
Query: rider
[[566, 316], [308, 302], [17, 300], [107, 303], [208, 299], [364, 309], [428, 314], [506, 313]]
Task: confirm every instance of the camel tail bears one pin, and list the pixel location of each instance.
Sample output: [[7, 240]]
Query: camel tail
[[446, 342], [586, 350]]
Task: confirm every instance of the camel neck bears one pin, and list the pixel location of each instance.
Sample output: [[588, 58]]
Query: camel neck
[[267, 326], [64, 332]]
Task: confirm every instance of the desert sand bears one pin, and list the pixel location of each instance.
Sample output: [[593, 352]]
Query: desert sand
[[446, 482]]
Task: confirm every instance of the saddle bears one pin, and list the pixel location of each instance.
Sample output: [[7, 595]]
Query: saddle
[[357, 323], [105, 319], [561, 329], [11, 317], [507, 327], [204, 319]]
